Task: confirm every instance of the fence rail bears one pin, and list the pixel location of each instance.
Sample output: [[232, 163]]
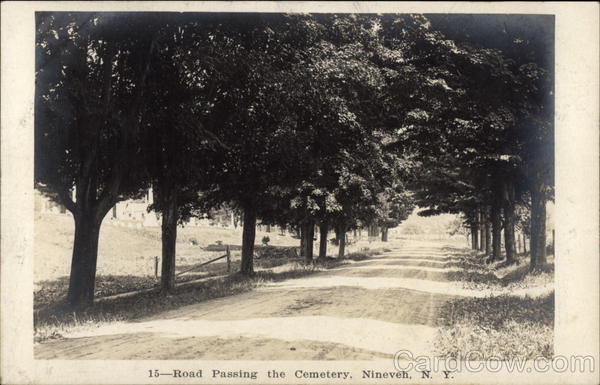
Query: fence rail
[[226, 255]]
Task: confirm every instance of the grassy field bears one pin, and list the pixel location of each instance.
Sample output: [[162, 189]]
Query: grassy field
[[129, 251]]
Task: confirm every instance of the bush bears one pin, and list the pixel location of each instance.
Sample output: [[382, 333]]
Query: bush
[[356, 256], [266, 240], [276, 252]]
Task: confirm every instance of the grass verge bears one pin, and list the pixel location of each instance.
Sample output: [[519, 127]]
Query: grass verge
[[502, 276], [51, 292], [503, 327]]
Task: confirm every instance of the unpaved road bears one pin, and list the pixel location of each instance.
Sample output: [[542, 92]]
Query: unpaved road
[[364, 310]]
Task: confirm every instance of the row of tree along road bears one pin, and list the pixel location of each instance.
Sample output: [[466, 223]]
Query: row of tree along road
[[336, 121]]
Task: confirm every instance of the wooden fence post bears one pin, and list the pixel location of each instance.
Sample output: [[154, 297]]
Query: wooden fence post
[[228, 259], [155, 267]]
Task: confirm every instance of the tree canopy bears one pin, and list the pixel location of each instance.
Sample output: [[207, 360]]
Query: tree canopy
[[344, 121]]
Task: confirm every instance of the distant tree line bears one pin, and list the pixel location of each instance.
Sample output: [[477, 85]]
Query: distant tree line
[[335, 121]]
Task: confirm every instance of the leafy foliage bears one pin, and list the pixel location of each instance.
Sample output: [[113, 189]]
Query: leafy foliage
[[347, 120]]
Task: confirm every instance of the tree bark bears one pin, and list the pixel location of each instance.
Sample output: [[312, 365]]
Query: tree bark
[[83, 262], [341, 235], [248, 237], [169, 241], [309, 230], [496, 231], [508, 207], [323, 230], [384, 234], [538, 224], [474, 236], [302, 231], [482, 237], [488, 232]]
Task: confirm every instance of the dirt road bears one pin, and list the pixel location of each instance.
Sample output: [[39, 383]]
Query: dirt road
[[365, 310]]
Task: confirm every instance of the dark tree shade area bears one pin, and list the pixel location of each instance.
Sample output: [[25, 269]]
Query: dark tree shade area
[[335, 122]]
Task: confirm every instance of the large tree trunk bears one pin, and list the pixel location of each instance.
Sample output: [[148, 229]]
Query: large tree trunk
[[309, 231], [302, 231], [482, 237], [487, 228], [474, 236], [496, 231], [83, 262], [323, 230], [508, 206], [248, 236], [538, 225], [384, 234], [169, 240], [341, 235], [91, 203]]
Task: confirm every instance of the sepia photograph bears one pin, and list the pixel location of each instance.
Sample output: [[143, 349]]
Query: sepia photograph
[[272, 187]]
